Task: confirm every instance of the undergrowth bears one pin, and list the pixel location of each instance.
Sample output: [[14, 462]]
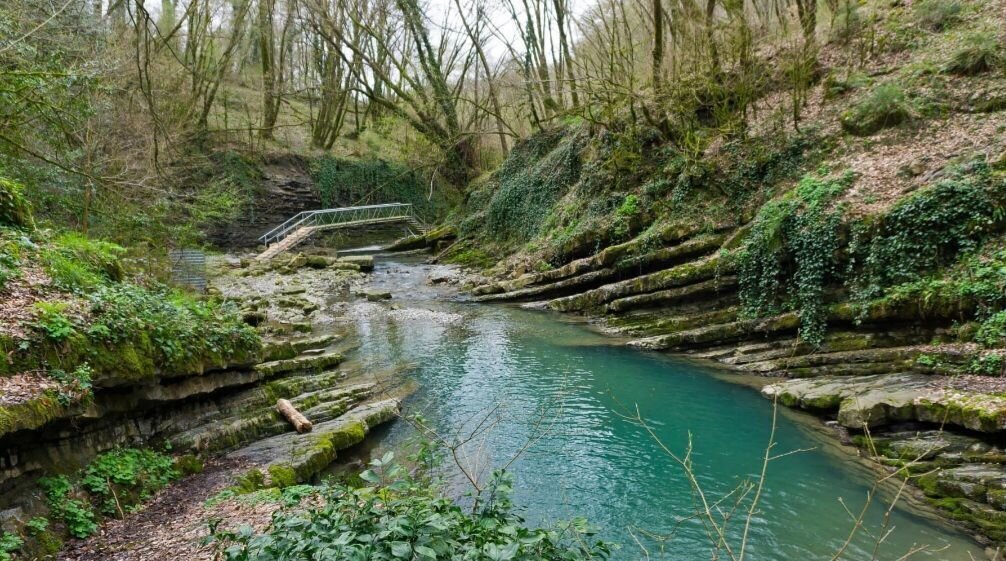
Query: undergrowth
[[397, 516], [114, 484], [791, 254]]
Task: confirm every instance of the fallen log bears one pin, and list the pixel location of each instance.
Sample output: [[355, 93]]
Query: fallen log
[[300, 423]]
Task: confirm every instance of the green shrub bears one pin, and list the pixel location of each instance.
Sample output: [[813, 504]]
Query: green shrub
[[9, 543], [885, 106], [14, 209], [411, 521], [115, 482], [119, 479], [52, 322], [181, 329], [992, 332], [73, 386], [75, 513], [836, 85], [791, 254], [937, 15], [345, 182], [981, 53]]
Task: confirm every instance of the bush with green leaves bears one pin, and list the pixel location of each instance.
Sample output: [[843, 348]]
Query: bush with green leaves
[[791, 254], [14, 209], [937, 15], [65, 506], [981, 52], [400, 517], [9, 543], [122, 478], [885, 106], [113, 484], [51, 320]]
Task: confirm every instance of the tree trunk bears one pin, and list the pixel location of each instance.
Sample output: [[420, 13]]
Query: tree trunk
[[300, 423]]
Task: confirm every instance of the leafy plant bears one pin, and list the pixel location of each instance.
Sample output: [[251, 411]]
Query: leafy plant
[[180, 328], [120, 478], [51, 320], [529, 183], [14, 209], [115, 482], [9, 543], [791, 254], [398, 517], [76, 514], [926, 230], [76, 262], [73, 386], [885, 106]]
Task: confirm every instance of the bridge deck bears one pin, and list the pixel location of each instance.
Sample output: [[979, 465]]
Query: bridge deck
[[303, 225]]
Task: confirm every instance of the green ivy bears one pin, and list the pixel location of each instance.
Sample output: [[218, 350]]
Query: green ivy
[[791, 254], [345, 182], [926, 231], [535, 175]]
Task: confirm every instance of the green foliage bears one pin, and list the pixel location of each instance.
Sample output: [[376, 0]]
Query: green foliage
[[628, 211], [535, 175], [930, 229], [77, 263], [73, 386], [75, 513], [189, 464], [937, 15], [346, 182], [885, 106], [121, 478], [114, 483], [14, 209], [836, 85], [791, 254], [980, 53], [992, 332], [9, 543], [398, 517], [181, 328], [52, 322]]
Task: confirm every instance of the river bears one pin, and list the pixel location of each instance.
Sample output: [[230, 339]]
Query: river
[[527, 376]]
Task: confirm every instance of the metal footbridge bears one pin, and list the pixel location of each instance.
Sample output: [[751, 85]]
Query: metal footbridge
[[303, 225]]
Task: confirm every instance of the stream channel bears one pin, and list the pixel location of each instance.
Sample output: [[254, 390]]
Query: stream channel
[[526, 375]]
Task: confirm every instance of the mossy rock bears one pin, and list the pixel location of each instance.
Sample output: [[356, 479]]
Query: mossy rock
[[14, 209]]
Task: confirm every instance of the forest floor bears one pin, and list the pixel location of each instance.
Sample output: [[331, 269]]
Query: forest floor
[[175, 524]]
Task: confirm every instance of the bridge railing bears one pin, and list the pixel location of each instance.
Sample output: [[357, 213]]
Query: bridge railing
[[334, 216]]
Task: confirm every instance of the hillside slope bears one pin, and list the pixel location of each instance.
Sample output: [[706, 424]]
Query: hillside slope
[[861, 253]]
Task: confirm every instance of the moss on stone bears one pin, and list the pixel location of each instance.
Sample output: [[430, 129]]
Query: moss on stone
[[282, 476]]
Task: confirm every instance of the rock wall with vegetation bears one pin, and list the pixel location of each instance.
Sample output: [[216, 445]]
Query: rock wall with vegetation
[[105, 372], [860, 256]]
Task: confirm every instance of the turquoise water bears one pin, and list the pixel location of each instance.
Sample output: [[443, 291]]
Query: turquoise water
[[526, 376]]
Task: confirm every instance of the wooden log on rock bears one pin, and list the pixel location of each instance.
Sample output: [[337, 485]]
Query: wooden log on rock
[[300, 423]]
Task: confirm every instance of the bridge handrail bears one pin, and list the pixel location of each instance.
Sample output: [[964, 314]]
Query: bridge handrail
[[301, 218]]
